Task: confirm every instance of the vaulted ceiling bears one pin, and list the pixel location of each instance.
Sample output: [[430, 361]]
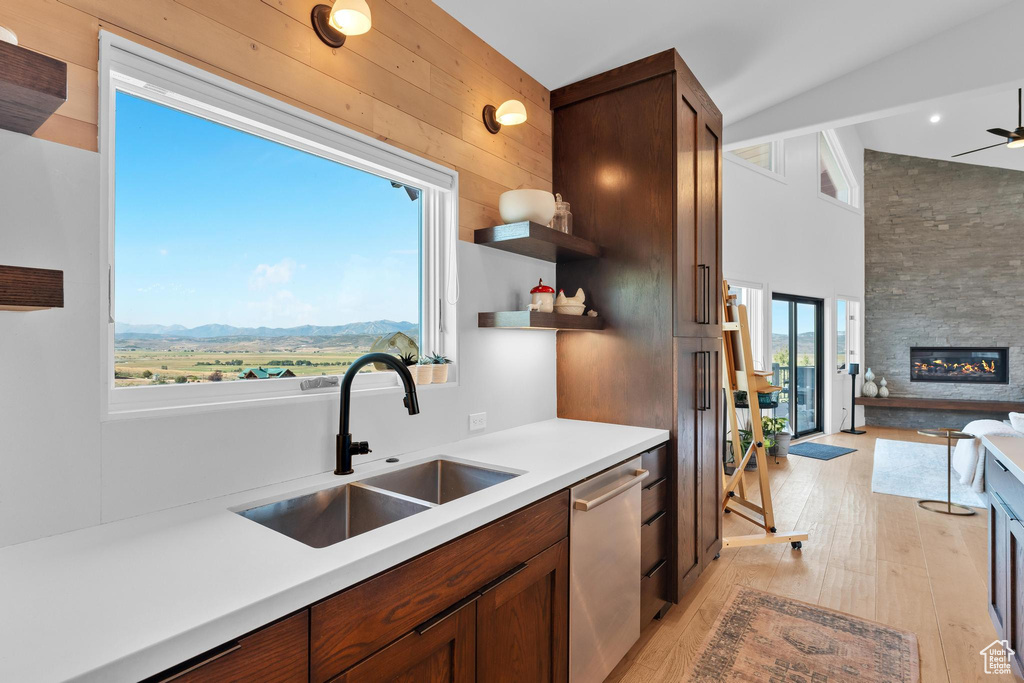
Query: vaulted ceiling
[[749, 54]]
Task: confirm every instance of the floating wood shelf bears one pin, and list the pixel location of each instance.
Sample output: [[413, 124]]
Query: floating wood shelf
[[532, 320], [32, 87], [537, 241], [30, 289], [941, 404]]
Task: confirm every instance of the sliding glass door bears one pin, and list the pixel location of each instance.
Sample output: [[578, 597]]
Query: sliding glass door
[[797, 353]]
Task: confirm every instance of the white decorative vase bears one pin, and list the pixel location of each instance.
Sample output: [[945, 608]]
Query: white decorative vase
[[440, 373], [422, 374], [883, 391], [870, 389], [526, 205]]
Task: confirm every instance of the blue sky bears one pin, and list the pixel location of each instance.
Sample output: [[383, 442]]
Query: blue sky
[[214, 225]]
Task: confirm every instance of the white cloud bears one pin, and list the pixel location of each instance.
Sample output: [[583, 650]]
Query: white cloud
[[277, 274], [280, 309]]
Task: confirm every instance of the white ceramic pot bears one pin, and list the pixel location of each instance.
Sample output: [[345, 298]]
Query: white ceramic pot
[[526, 205], [422, 374], [440, 373], [570, 309]]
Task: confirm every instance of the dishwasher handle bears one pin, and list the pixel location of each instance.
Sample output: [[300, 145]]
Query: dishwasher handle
[[584, 505]]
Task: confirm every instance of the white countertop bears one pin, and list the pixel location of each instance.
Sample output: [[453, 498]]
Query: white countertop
[[1009, 450], [125, 600]]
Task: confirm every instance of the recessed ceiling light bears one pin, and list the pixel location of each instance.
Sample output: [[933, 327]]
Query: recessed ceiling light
[[935, 118]]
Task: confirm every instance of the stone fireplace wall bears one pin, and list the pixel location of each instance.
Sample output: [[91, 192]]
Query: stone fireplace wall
[[944, 247]]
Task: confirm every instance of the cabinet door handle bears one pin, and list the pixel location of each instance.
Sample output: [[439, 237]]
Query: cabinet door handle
[[503, 578], [702, 280], [1006, 508], [707, 295], [443, 615], [654, 519], [655, 569], [211, 657], [586, 505], [707, 378]]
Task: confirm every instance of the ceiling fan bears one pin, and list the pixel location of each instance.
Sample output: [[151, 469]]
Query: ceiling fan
[[1014, 138]]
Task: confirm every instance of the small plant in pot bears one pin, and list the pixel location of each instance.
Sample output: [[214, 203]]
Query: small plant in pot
[[746, 438], [775, 429], [439, 366], [422, 371]]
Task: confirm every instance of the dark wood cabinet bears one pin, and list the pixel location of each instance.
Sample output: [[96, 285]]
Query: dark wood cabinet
[[637, 151], [1006, 557], [523, 622], [278, 653], [443, 651]]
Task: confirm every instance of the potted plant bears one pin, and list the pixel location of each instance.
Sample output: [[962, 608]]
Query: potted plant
[[439, 366], [422, 371], [746, 438], [776, 427]]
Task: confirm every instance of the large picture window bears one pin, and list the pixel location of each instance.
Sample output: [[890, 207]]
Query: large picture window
[[252, 245]]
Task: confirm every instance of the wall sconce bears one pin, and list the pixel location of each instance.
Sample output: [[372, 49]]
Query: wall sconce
[[345, 18], [510, 113]]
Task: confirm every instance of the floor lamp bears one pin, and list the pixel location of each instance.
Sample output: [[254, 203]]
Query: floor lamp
[[854, 368]]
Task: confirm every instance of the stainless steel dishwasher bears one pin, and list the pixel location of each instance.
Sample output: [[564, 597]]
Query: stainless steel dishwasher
[[604, 539]]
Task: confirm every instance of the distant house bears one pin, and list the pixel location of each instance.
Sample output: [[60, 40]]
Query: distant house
[[265, 373]]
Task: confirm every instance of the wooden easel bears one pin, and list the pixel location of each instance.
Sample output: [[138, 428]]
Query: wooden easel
[[741, 376]]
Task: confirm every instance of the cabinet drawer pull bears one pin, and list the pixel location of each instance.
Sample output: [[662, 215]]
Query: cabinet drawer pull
[[657, 482], [1001, 465], [503, 578], [441, 616], [585, 505], [654, 519], [655, 569], [1006, 508], [209, 658]]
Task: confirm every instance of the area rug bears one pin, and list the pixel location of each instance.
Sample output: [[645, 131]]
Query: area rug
[[917, 470], [819, 451], [763, 637]]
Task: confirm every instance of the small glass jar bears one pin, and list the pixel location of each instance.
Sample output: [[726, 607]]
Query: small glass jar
[[562, 220]]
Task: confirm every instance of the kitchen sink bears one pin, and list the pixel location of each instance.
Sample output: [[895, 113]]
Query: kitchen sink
[[326, 517], [439, 481], [333, 515]]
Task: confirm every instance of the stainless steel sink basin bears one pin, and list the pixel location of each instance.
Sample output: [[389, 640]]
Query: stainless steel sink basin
[[439, 481], [326, 517]]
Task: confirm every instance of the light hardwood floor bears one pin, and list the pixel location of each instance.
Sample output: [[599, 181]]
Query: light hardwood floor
[[873, 555]]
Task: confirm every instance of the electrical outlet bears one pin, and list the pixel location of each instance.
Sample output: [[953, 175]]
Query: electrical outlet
[[477, 421]]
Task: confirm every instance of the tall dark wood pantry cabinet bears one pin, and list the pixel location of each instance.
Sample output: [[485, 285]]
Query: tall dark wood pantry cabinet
[[637, 152]]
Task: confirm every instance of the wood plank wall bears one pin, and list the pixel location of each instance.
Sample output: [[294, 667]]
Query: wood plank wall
[[417, 80]]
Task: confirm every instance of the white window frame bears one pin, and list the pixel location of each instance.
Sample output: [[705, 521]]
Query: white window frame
[[778, 170], [757, 319], [854, 330], [128, 67], [832, 140]]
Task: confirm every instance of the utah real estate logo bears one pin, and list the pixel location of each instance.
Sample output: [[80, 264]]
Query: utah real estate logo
[[997, 657]]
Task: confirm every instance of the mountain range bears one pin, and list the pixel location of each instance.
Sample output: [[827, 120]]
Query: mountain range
[[374, 327]]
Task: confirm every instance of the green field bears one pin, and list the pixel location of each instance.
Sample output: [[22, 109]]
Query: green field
[[198, 366]]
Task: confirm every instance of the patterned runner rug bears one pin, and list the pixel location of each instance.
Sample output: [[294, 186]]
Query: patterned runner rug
[[763, 637]]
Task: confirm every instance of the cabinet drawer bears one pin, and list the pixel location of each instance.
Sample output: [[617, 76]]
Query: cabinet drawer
[[654, 497], [277, 653], [653, 541], [1005, 484], [354, 624], [653, 591], [655, 461]]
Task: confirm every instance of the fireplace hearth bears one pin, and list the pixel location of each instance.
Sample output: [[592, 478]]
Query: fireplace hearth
[[969, 365]]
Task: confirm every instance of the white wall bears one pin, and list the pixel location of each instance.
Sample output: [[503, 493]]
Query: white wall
[[61, 468], [782, 235]]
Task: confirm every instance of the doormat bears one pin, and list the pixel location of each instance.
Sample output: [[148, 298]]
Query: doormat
[[819, 451], [763, 637]]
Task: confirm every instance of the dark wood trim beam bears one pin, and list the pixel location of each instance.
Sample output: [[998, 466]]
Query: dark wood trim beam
[[537, 241], [532, 320], [32, 87], [942, 404], [30, 289]]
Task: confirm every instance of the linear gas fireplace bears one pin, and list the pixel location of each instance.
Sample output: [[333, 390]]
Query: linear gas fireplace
[[974, 365]]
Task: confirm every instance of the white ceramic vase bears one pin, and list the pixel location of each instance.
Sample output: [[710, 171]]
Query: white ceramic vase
[[870, 389], [883, 390]]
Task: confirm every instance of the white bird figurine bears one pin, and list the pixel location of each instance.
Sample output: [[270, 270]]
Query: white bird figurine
[[570, 305]]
